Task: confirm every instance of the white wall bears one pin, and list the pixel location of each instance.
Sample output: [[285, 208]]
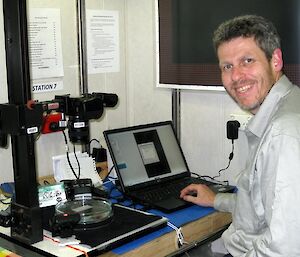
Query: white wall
[[140, 101], [203, 114], [203, 134]]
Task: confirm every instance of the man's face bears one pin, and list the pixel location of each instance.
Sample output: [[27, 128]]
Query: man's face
[[247, 74]]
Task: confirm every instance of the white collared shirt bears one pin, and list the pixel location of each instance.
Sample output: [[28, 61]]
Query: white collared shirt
[[266, 207]]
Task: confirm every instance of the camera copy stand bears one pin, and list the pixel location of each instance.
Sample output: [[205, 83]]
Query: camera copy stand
[[22, 118], [26, 215]]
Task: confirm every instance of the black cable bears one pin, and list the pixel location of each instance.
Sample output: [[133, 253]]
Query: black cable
[[195, 174], [209, 178], [110, 170], [229, 160], [79, 168], [90, 142], [212, 179], [3, 201], [94, 139], [68, 157]]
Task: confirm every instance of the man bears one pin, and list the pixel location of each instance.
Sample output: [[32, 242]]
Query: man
[[266, 208]]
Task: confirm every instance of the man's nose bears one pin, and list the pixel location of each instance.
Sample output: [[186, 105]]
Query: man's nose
[[236, 73]]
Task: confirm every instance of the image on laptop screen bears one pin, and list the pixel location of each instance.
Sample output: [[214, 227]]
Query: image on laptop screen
[[145, 153]]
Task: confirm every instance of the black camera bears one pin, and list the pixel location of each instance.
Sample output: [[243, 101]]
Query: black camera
[[82, 109], [25, 119]]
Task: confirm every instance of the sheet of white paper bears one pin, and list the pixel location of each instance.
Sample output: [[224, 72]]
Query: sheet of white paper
[[103, 41], [44, 39]]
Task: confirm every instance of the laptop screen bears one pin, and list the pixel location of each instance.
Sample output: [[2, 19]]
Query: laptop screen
[[145, 153]]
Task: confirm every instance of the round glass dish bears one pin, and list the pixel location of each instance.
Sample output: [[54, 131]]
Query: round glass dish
[[91, 210]]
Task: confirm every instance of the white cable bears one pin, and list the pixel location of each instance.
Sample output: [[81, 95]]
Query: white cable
[[179, 234]]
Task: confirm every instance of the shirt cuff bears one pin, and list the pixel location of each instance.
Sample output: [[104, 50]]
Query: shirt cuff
[[225, 202]]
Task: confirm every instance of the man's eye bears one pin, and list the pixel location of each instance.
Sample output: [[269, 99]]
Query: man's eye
[[248, 60], [227, 67]]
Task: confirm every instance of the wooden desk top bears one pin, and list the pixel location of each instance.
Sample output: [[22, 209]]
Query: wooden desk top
[[192, 231]]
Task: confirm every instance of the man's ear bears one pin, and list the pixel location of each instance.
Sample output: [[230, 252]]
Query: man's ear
[[276, 60]]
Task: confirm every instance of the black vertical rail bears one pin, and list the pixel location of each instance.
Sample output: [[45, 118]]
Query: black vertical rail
[[26, 225], [82, 54], [176, 117]]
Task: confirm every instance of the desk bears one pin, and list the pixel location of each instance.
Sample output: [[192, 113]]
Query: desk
[[197, 224], [161, 246], [192, 231]]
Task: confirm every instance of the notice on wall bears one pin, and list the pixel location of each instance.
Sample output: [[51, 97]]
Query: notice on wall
[[103, 51], [45, 46]]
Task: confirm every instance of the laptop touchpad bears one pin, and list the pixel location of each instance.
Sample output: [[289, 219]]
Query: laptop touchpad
[[170, 203]]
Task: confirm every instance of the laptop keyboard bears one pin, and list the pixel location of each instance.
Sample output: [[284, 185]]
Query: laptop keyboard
[[168, 190]]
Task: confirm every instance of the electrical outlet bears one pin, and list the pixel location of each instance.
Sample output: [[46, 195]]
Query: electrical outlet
[[243, 119]]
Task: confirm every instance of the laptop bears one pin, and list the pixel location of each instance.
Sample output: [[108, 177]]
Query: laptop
[[148, 159]]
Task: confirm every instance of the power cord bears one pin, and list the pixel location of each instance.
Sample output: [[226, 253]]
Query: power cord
[[232, 129], [229, 161], [211, 179]]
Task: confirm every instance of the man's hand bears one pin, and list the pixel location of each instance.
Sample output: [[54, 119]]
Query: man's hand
[[198, 194]]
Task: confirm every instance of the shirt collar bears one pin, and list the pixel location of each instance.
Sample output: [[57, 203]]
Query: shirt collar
[[258, 124]]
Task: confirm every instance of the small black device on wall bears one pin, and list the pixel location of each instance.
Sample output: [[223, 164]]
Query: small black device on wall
[[233, 129]]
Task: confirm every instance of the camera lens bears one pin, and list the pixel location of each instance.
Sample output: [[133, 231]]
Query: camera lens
[[78, 130]]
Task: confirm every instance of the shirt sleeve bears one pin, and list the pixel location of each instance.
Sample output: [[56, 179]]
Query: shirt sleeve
[[225, 202], [279, 164]]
